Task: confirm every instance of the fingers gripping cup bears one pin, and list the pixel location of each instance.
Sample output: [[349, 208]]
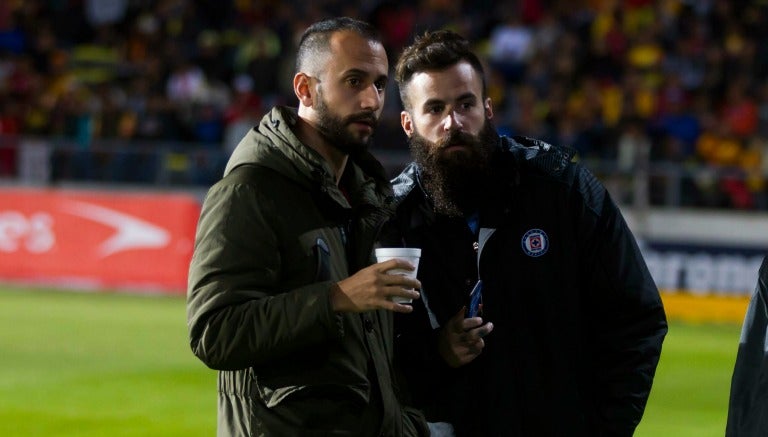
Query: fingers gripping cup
[[409, 254]]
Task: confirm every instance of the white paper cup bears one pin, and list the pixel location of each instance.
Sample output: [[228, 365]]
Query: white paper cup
[[410, 254]]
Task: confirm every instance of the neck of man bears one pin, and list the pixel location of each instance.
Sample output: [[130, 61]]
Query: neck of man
[[312, 138]]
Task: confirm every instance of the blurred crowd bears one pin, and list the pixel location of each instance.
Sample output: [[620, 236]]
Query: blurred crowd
[[629, 82]]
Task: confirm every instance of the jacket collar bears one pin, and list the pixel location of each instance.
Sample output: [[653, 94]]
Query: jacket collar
[[512, 155], [274, 144]]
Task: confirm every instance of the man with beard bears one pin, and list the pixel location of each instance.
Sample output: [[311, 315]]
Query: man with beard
[[282, 299], [538, 316]]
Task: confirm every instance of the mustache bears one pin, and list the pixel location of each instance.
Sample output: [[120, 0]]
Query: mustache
[[456, 138], [362, 117]]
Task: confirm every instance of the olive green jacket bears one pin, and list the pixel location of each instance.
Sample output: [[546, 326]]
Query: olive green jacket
[[274, 235]]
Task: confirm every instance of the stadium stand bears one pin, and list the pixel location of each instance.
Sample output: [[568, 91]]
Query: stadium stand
[[158, 92]]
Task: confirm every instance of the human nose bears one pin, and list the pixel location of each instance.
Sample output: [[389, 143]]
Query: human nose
[[451, 121], [372, 98]]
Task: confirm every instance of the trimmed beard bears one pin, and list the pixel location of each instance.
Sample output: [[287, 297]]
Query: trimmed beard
[[456, 181], [335, 128]]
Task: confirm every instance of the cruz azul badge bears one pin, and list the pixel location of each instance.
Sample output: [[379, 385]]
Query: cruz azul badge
[[535, 243]]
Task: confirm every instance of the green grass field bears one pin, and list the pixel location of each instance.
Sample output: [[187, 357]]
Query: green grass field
[[119, 365], [100, 365]]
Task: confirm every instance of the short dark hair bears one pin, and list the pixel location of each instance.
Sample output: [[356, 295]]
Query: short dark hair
[[314, 42], [433, 51]]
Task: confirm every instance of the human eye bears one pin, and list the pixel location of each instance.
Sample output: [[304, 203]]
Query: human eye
[[354, 81], [434, 109], [380, 85]]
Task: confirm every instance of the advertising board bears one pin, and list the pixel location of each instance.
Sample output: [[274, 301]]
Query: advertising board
[[97, 239]]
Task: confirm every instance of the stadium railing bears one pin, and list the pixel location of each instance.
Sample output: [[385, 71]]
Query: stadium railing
[[52, 161]]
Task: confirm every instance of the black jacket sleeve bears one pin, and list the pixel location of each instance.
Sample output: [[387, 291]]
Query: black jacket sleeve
[[749, 386], [626, 318]]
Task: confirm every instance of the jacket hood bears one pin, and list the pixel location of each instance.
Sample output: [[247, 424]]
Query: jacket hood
[[273, 144], [515, 152]]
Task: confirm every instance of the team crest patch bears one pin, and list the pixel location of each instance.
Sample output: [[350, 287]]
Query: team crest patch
[[535, 243]]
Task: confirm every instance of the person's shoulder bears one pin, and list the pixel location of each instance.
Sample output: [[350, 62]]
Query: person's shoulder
[[270, 148], [250, 173], [534, 154], [246, 179], [557, 164], [404, 183]]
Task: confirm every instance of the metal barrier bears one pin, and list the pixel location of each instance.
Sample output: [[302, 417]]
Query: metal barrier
[[53, 161]]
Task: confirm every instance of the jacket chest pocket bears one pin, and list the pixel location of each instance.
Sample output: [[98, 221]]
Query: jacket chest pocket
[[322, 254]]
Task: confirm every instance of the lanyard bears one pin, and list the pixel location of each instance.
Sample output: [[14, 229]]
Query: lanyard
[[483, 234]]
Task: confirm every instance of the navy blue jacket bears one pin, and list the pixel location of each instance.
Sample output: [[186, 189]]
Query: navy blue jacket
[[578, 321]]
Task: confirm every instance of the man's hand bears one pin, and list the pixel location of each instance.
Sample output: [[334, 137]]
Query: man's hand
[[461, 339], [372, 288]]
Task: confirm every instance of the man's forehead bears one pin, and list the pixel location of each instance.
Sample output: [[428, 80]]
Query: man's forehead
[[453, 82], [350, 50]]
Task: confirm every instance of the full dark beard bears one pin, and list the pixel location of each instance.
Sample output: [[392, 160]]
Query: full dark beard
[[456, 181], [335, 129]]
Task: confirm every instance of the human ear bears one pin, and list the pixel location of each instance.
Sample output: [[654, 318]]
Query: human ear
[[406, 123], [302, 89], [488, 108]]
